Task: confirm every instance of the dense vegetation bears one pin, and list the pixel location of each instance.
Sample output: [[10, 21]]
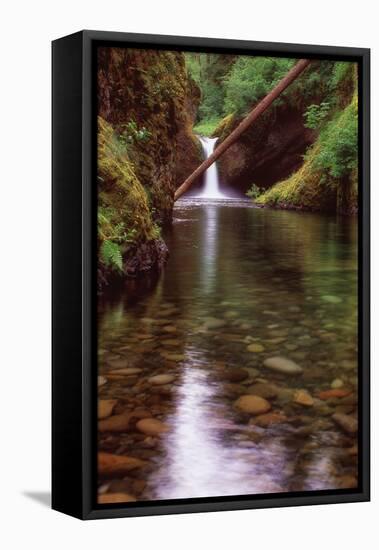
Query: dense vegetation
[[328, 178], [125, 218], [302, 153], [147, 104], [306, 141]]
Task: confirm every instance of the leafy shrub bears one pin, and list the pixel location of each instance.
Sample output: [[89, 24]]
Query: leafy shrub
[[254, 192], [339, 73], [315, 114], [133, 134], [209, 72], [250, 79], [339, 142], [206, 127]]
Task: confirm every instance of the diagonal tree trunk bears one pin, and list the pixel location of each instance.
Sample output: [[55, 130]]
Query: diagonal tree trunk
[[255, 113]]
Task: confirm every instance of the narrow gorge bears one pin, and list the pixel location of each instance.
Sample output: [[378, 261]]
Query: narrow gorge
[[227, 320]]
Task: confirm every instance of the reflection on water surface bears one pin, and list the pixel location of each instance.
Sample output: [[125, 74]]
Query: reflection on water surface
[[242, 285]]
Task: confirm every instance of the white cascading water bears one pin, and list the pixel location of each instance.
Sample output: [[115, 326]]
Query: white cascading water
[[211, 188]]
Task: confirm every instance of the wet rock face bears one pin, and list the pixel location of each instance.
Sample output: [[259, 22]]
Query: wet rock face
[[268, 152], [152, 90], [189, 152], [149, 255]]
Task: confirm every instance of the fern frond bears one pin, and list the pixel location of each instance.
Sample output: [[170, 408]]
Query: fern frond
[[111, 255]]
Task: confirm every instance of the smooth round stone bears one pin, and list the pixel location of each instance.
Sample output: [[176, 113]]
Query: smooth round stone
[[255, 348], [152, 426], [268, 391], [212, 322], [234, 375], [291, 347], [269, 419], [302, 397], [105, 408], [127, 371], [127, 485], [115, 423], [348, 423], [337, 384], [171, 342], [283, 365], [331, 299], [252, 404], [112, 498], [101, 380], [169, 328], [277, 340], [332, 394], [161, 379], [145, 336], [117, 465]]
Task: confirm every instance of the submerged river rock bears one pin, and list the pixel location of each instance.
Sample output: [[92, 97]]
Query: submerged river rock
[[232, 374]]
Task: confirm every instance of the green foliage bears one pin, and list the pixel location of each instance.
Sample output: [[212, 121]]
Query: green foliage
[[329, 174], [340, 71], [132, 134], [193, 66], [254, 192], [124, 215], [110, 254], [209, 72], [339, 143], [212, 104], [250, 79], [206, 127], [315, 114]]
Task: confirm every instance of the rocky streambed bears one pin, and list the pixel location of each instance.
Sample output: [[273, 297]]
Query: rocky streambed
[[236, 372]]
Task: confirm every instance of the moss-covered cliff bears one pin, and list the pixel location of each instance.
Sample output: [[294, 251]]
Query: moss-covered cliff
[[306, 140], [267, 152], [146, 105], [327, 179]]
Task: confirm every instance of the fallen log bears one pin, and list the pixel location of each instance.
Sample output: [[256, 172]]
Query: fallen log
[[247, 121]]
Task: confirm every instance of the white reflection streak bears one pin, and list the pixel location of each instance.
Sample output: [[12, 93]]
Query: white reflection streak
[[197, 459], [199, 463], [209, 247]]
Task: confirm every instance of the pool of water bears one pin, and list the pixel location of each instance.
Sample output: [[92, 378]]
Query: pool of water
[[242, 285]]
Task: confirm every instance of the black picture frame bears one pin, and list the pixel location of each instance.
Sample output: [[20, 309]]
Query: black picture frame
[[74, 275]]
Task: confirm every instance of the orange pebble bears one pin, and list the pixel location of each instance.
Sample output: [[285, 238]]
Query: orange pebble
[[329, 394]]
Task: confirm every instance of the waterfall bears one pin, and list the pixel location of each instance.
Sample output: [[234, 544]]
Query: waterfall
[[211, 188]]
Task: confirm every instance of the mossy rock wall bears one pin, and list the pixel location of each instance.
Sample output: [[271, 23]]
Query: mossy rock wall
[[151, 89], [128, 237], [318, 185], [270, 150], [300, 167]]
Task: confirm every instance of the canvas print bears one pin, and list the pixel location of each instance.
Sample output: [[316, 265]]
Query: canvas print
[[227, 331]]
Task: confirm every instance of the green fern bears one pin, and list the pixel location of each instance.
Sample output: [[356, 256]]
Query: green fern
[[111, 255]]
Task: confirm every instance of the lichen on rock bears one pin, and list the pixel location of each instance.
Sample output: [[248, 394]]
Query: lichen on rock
[[146, 107]]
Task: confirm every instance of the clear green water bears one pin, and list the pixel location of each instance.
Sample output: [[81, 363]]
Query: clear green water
[[237, 276]]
